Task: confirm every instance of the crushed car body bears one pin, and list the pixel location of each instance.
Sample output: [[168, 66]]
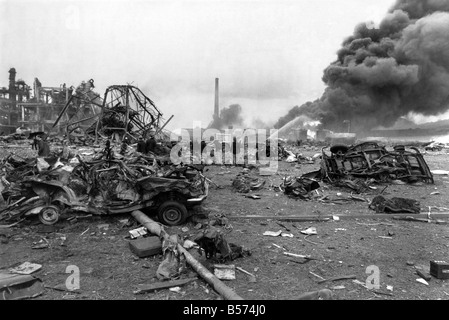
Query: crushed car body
[[104, 187], [372, 161]]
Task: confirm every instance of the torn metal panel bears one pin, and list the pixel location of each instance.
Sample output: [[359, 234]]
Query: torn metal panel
[[156, 185], [16, 286], [299, 187], [51, 191]]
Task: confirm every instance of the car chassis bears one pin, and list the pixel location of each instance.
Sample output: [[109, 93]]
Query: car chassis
[[372, 161]]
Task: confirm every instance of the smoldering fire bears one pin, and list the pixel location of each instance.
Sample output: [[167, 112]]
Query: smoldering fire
[[386, 72]]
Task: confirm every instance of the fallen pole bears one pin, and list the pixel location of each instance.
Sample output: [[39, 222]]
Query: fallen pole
[[338, 278], [439, 215], [155, 228]]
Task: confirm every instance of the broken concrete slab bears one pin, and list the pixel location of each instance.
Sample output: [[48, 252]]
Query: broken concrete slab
[[26, 268]]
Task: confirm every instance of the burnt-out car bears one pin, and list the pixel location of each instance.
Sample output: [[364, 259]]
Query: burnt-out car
[[371, 161], [96, 190], [435, 146]]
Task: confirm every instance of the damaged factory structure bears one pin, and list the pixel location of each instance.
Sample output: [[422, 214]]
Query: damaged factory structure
[[114, 177]]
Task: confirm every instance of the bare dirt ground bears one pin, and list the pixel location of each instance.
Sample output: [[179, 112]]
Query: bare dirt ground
[[109, 270]]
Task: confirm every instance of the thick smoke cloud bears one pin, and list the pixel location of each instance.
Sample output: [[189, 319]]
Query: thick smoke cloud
[[230, 116], [385, 72]]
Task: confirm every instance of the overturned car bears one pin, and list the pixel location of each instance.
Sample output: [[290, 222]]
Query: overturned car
[[372, 161]]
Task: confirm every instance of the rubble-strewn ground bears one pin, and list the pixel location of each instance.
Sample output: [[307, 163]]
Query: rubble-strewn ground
[[110, 271]]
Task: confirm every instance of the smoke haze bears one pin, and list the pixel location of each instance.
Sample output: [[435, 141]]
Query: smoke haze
[[268, 54], [230, 116], [384, 72]]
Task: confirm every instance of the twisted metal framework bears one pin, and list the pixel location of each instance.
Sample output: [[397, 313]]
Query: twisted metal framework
[[81, 110], [124, 109], [131, 110]]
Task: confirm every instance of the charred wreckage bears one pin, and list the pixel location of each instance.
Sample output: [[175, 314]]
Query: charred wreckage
[[359, 167], [109, 182]]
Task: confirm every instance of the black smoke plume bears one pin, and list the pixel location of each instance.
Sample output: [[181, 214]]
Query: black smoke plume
[[386, 72], [230, 116]]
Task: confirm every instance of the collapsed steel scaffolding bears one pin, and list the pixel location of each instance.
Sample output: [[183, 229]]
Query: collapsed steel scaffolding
[[131, 108], [124, 109], [81, 110]]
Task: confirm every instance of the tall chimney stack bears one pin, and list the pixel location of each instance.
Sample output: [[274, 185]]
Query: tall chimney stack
[[217, 107], [12, 85]]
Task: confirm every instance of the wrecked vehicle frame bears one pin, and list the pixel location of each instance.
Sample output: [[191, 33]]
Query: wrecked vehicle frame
[[170, 193], [372, 161]]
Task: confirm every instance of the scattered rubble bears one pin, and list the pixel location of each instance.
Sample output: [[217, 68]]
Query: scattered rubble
[[175, 249], [103, 186], [244, 182], [324, 294], [19, 286], [299, 187], [395, 205], [215, 246], [420, 280], [105, 182], [145, 288]]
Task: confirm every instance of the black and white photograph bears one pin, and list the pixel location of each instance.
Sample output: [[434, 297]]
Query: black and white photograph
[[224, 155]]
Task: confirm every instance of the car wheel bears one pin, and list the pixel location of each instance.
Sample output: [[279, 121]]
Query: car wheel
[[172, 213], [49, 215], [339, 148]]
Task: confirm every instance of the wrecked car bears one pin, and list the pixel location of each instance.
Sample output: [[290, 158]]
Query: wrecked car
[[107, 187], [435, 146], [122, 189], [372, 161]]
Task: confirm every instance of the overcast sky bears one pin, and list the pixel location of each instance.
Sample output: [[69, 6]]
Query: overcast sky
[[269, 55]]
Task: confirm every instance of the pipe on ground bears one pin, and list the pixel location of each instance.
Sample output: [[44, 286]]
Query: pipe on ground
[[155, 228]]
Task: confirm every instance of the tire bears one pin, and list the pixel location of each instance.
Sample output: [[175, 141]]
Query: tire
[[172, 213], [49, 215], [339, 148]]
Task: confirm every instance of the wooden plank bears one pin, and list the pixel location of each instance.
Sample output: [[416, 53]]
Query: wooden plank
[[339, 278], [163, 285]]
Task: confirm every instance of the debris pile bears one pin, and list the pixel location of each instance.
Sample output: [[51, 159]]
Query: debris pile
[[371, 161], [244, 182], [16, 137], [108, 184], [395, 205], [115, 117], [215, 246], [299, 187]]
